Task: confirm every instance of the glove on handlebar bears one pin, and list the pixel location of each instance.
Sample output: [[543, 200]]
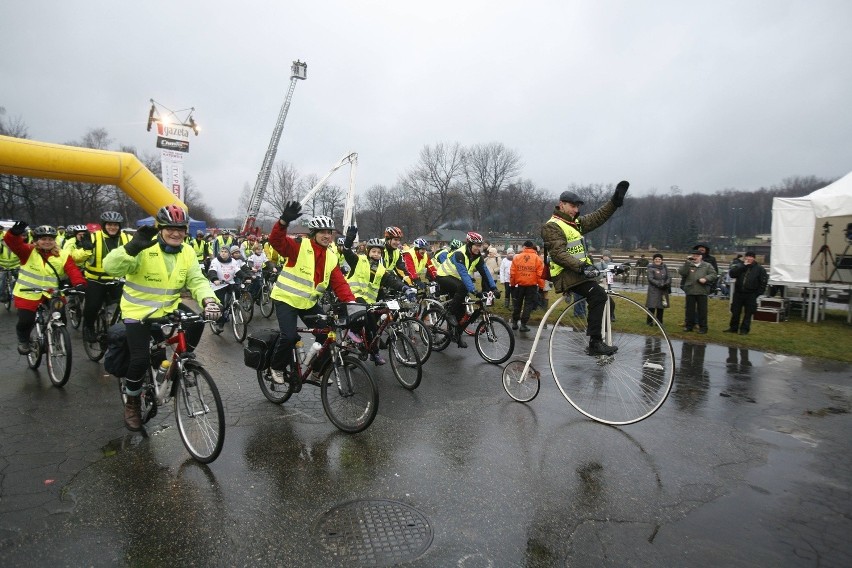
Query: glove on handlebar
[[590, 271]]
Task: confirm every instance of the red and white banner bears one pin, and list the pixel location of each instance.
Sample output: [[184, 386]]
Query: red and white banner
[[173, 142]]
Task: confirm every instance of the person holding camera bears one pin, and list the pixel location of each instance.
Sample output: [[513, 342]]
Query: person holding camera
[[697, 278], [750, 282]]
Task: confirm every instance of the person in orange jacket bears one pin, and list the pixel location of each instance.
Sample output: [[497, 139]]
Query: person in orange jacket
[[525, 278]]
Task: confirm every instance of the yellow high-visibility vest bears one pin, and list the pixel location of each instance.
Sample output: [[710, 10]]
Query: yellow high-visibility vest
[[576, 245], [151, 291], [295, 284], [363, 286]]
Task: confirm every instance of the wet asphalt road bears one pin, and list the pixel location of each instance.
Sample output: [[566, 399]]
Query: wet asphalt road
[[747, 464]]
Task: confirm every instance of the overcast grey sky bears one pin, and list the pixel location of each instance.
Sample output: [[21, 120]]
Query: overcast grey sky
[[705, 96]]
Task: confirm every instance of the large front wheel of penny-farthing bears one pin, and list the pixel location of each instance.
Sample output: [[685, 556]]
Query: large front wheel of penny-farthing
[[349, 395], [622, 388]]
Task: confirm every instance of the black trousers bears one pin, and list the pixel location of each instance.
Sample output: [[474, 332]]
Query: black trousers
[[696, 311], [743, 302], [526, 297], [457, 290], [596, 298], [26, 321], [287, 316], [138, 336], [96, 295]]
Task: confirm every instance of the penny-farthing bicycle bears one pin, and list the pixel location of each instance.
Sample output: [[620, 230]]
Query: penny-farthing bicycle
[[622, 388]]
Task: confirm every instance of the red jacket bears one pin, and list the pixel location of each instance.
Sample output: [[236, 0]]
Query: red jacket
[[527, 269], [431, 274], [288, 248], [23, 249]]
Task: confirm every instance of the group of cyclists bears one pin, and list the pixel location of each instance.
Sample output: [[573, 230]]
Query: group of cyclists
[[158, 263]]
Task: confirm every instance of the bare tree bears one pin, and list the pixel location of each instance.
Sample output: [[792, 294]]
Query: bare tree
[[433, 183], [284, 186], [488, 169]]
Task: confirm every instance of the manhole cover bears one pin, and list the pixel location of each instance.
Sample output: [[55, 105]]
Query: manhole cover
[[374, 532]]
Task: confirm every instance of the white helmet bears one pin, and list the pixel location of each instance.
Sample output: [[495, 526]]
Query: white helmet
[[321, 222]]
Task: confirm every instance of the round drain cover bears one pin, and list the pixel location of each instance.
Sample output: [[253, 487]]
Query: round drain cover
[[374, 532]]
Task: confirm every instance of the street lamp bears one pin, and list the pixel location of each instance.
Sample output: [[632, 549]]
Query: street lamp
[[154, 117]]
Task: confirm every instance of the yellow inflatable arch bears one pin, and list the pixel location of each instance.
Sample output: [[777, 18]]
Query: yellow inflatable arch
[[31, 158]]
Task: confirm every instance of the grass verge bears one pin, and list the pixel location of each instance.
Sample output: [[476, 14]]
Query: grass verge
[[828, 339]]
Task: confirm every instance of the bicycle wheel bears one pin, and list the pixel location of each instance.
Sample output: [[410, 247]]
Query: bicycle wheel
[[494, 340], [96, 349], [75, 311], [274, 392], [442, 335], [59, 355], [349, 395], [34, 356], [199, 413], [238, 323], [266, 306], [420, 336], [216, 328], [405, 362], [247, 305], [10, 286], [622, 388], [521, 388]]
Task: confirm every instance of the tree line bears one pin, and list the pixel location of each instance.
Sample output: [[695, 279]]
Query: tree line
[[450, 186]]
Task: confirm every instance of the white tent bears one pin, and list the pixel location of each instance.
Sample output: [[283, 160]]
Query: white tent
[[798, 227]]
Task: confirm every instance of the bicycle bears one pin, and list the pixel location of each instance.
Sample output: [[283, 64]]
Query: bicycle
[[74, 309], [264, 296], [405, 360], [107, 316], [348, 392], [198, 408], [246, 298], [50, 336], [11, 278], [233, 312], [618, 389], [494, 339]]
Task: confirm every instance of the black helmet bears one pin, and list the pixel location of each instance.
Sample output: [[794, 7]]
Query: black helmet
[[44, 231], [112, 217], [172, 216]]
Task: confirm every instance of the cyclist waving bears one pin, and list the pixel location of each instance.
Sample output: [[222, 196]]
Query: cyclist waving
[[309, 268], [155, 271], [43, 265]]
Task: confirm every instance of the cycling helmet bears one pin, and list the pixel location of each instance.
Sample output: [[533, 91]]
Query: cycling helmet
[[320, 223], [421, 244], [393, 233], [474, 238], [455, 243], [172, 216], [375, 243], [44, 231], [74, 229], [112, 217]]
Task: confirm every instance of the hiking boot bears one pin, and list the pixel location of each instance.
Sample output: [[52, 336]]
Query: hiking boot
[[514, 325], [598, 347], [729, 330], [277, 376], [133, 413], [702, 330], [687, 328], [24, 348], [524, 327], [460, 339], [377, 359]]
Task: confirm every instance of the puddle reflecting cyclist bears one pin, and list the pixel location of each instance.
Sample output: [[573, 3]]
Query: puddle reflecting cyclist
[[571, 268]]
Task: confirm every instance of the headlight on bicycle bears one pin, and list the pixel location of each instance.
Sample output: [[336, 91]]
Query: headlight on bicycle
[[469, 308], [56, 315]]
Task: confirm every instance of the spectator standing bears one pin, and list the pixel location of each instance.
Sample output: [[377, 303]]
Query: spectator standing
[[492, 263], [751, 280], [505, 276], [697, 277], [526, 280], [659, 288], [642, 262]]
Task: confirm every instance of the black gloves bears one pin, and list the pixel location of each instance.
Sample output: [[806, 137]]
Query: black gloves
[[292, 211], [351, 233], [86, 243], [143, 239], [590, 271], [18, 228], [620, 192]]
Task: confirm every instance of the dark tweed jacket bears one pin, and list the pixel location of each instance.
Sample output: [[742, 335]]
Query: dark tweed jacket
[[555, 244]]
